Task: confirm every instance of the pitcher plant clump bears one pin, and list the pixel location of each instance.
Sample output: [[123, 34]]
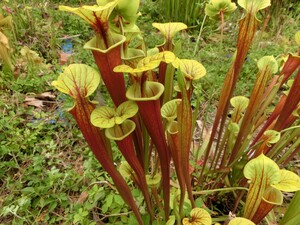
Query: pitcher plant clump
[[152, 122]]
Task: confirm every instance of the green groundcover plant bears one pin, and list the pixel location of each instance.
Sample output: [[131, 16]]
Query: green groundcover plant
[[152, 121]]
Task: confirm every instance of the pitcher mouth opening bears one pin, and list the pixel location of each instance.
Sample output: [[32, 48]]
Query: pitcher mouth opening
[[95, 43], [151, 91]]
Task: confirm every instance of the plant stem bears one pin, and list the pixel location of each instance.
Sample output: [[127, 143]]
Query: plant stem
[[199, 36]]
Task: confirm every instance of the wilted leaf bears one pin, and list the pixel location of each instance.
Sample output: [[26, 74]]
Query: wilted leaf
[[31, 55]]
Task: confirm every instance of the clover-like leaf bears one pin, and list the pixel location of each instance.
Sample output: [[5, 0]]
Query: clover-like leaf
[[268, 63], [169, 29], [215, 7], [240, 221], [240, 103], [297, 38], [289, 181], [192, 69], [97, 15], [199, 216], [271, 137], [253, 6], [169, 109], [77, 80], [103, 117]]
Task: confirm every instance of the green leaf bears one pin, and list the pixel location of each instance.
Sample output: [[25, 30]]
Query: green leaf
[[289, 181], [253, 6], [192, 69], [268, 63], [169, 109], [240, 221], [78, 80], [169, 29], [103, 117], [199, 216], [292, 215]]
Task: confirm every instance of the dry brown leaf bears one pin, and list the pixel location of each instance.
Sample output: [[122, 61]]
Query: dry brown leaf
[[83, 197], [201, 126], [64, 57], [46, 95], [33, 102]]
